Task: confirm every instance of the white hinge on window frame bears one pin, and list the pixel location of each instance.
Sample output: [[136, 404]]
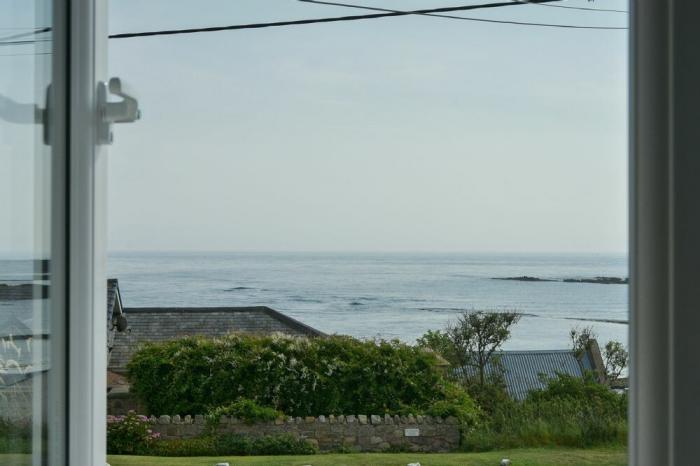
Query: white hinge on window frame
[[125, 111]]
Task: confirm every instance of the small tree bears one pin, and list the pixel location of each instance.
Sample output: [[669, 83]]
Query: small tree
[[582, 339], [615, 356], [477, 335], [616, 359]]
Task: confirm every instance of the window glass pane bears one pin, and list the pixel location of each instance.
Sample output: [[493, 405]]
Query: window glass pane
[[407, 178], [25, 241]]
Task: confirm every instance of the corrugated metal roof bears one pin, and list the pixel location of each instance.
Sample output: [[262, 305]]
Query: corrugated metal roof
[[524, 371]]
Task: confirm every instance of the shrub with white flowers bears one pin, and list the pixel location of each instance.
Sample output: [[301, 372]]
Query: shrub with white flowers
[[298, 376]]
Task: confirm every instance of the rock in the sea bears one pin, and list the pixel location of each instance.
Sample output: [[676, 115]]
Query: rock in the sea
[[599, 280], [525, 278]]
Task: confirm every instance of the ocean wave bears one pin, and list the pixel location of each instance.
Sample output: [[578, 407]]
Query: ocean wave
[[302, 299]]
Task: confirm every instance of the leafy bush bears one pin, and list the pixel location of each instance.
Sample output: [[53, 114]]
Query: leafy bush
[[491, 397], [233, 444], [298, 376], [130, 434], [442, 344], [457, 403], [570, 412], [246, 410], [15, 437]]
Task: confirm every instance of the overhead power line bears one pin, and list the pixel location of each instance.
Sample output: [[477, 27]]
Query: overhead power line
[[583, 8], [464, 18], [32, 54], [24, 42], [27, 34], [386, 14]]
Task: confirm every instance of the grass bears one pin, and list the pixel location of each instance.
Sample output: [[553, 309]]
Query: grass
[[525, 457]]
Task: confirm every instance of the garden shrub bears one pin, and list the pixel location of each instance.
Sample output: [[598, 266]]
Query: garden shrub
[[246, 410], [15, 437], [570, 412], [234, 445], [298, 376], [130, 434], [458, 404]]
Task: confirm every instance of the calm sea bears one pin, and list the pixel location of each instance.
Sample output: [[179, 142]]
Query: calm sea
[[388, 295]]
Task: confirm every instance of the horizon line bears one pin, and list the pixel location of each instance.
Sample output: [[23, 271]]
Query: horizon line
[[358, 251]]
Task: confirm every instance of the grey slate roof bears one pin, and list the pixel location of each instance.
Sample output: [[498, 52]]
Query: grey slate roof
[[523, 370], [163, 324]]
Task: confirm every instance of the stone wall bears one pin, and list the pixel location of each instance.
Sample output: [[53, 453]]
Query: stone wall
[[332, 433]]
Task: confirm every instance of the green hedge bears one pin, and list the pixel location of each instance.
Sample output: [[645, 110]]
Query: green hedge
[[298, 376]]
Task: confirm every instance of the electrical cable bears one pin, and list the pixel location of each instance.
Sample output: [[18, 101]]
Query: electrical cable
[[388, 13], [482, 20]]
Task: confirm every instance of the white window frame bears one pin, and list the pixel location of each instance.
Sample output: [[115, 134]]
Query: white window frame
[[80, 234], [664, 190], [664, 231]]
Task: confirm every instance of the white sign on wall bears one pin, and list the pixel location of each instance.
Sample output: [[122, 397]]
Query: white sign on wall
[[411, 432]]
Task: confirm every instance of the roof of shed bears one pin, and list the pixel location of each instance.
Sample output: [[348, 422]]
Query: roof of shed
[[158, 324], [524, 371]]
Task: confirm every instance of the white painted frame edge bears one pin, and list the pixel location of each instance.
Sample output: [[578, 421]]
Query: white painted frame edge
[[87, 360]]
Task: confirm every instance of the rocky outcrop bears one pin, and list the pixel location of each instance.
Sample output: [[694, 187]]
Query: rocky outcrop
[[525, 278], [595, 280], [599, 280]]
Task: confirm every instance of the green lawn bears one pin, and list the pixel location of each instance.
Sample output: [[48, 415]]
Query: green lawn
[[525, 457]]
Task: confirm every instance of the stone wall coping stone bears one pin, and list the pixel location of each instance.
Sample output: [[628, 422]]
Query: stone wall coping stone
[[373, 419]]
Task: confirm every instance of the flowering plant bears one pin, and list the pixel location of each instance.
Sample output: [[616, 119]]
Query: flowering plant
[[129, 434]]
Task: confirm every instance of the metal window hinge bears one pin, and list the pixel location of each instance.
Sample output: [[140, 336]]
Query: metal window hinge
[[125, 111]]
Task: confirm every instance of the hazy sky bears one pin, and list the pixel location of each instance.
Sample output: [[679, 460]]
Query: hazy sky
[[398, 134]]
